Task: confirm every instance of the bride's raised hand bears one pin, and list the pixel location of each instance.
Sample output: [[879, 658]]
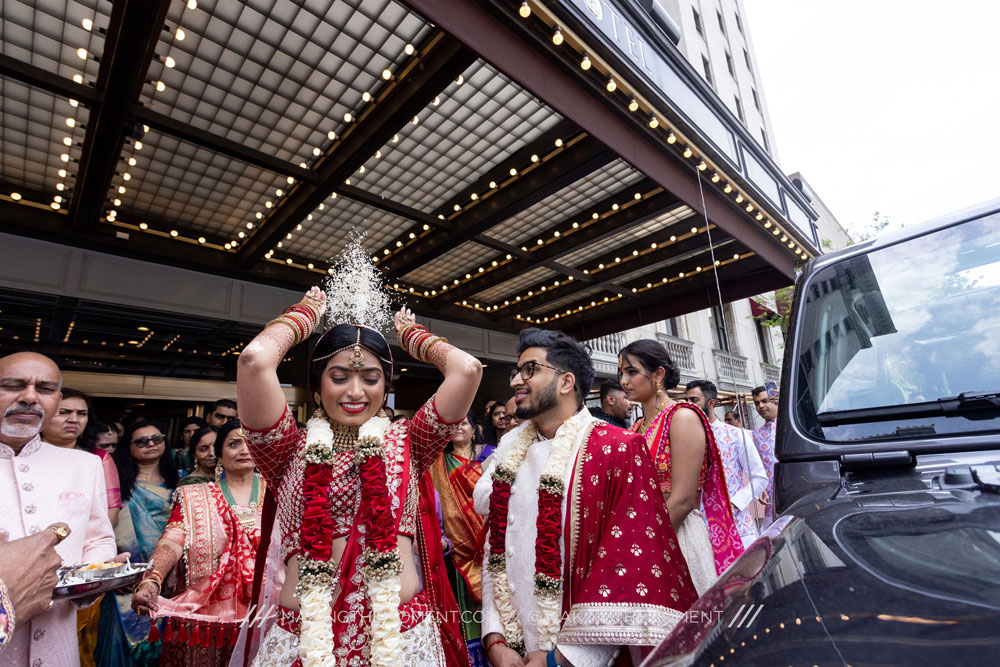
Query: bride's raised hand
[[403, 318], [317, 298]]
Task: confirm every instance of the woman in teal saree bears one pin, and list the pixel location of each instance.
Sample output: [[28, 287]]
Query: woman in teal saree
[[148, 479]]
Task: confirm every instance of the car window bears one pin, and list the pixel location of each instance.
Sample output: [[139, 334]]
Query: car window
[[909, 323]]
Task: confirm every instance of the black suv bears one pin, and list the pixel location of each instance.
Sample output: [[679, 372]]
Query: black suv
[[887, 546]]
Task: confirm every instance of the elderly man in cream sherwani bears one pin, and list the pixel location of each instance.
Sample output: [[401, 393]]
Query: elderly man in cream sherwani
[[40, 485]]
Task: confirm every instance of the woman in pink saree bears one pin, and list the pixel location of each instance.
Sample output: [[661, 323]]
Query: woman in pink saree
[[206, 554], [688, 463]]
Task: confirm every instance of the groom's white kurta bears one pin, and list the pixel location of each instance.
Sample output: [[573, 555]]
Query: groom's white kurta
[[521, 531]]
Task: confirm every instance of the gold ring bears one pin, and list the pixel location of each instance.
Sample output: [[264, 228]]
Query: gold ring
[[62, 532]]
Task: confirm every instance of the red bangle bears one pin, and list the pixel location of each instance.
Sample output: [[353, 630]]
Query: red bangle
[[493, 643]]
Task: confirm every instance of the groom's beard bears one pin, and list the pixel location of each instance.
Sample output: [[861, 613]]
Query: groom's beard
[[546, 400]]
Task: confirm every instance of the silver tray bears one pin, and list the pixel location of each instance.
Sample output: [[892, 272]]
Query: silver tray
[[98, 586]]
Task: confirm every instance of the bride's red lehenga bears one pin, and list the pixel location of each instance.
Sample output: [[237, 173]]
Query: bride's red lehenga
[[411, 447]]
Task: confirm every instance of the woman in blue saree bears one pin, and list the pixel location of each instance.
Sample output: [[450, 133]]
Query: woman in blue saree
[[148, 479]]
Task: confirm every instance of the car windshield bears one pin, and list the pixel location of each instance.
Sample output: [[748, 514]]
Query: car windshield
[[907, 324]]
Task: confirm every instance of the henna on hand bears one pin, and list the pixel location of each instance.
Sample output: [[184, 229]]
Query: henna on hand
[[438, 355]]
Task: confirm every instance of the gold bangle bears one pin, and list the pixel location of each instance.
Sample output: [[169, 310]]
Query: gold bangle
[[308, 306], [281, 320], [401, 334], [309, 324], [148, 580], [425, 345]]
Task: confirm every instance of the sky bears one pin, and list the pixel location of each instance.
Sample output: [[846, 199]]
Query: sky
[[884, 105]]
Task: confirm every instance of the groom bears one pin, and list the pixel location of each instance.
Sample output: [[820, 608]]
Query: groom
[[581, 560]]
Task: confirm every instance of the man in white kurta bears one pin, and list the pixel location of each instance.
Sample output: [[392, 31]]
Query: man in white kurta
[[41, 484], [622, 580], [521, 532]]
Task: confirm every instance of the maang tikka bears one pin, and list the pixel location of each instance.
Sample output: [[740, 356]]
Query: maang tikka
[[357, 361]]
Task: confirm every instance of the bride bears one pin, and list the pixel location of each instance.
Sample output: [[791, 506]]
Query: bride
[[365, 581]]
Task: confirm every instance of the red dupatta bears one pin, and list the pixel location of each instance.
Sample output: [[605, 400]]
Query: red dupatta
[[626, 580], [208, 614], [725, 537]]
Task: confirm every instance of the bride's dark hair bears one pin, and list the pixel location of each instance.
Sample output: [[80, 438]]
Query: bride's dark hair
[[343, 337]]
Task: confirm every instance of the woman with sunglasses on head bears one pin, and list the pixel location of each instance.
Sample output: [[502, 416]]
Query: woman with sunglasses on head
[[209, 546], [148, 478], [365, 581], [201, 450], [687, 459]]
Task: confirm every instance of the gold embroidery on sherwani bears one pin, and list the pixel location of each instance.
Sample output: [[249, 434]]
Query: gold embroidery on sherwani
[[634, 623]]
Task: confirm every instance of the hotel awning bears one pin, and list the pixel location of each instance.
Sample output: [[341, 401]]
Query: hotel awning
[[498, 177]]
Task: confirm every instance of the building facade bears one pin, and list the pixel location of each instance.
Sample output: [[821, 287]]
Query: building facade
[[726, 345]]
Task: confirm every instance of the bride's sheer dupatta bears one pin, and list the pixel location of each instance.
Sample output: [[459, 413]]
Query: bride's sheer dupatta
[[269, 576]]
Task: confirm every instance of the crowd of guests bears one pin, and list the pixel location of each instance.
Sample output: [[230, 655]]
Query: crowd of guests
[[196, 509]]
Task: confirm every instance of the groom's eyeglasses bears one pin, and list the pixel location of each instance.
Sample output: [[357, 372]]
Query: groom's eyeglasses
[[528, 369], [148, 441]]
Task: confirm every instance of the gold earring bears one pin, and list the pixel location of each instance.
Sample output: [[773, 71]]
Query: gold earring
[[659, 391], [218, 471], [316, 398]]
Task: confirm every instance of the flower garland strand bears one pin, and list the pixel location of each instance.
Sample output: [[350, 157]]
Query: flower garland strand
[[316, 573], [548, 555], [383, 565]]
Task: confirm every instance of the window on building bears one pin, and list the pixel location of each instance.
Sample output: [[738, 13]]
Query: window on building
[[763, 136], [697, 22], [764, 338], [756, 98], [719, 339], [722, 23], [707, 66], [739, 22], [730, 65], [746, 57], [739, 110], [671, 327]]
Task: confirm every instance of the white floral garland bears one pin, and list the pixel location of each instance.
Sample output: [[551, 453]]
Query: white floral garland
[[383, 593], [316, 638], [550, 604]]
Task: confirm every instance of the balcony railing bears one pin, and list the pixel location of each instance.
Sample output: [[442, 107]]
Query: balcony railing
[[772, 373], [731, 366], [681, 351], [605, 353], [607, 345]]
